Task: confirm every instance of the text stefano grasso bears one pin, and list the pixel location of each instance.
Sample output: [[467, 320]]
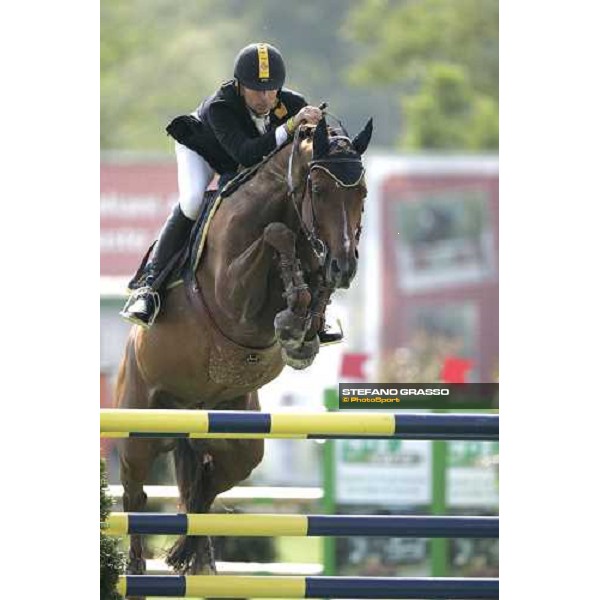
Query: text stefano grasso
[[396, 391]]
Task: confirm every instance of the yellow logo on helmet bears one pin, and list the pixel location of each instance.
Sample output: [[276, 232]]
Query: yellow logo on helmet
[[263, 61]]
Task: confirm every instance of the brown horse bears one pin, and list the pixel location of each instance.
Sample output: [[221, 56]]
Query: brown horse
[[276, 250]]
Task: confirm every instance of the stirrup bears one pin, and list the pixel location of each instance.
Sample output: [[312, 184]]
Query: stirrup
[[136, 318]]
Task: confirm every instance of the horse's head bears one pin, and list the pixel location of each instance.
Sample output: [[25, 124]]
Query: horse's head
[[333, 199]]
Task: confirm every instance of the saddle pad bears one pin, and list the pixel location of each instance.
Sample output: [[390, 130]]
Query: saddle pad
[[193, 251]]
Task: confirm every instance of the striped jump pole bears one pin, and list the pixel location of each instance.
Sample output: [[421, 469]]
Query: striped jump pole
[[225, 586], [249, 424], [302, 525]]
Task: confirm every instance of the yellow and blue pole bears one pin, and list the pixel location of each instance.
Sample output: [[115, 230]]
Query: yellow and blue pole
[[227, 424], [269, 525], [224, 586]]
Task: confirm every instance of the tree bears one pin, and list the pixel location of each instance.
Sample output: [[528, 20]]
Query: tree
[[111, 559], [444, 55], [447, 113], [160, 58]]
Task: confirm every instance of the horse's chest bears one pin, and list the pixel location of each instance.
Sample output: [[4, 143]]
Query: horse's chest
[[233, 365], [206, 366]]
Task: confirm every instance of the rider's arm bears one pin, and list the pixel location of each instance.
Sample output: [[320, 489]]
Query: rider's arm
[[245, 150], [282, 133]]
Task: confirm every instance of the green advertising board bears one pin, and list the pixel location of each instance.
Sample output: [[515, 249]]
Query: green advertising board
[[403, 476]]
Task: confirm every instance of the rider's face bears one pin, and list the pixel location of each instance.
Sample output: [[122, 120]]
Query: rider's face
[[260, 102]]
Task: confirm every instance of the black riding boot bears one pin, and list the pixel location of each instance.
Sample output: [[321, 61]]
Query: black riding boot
[[327, 336], [143, 305]]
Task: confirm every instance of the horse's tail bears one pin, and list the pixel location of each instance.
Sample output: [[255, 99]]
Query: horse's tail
[[193, 468], [190, 468]]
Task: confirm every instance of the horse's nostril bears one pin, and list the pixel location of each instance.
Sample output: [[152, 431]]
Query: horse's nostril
[[334, 266]]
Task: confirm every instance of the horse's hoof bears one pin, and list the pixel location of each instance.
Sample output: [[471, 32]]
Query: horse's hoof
[[136, 566], [289, 328], [301, 357], [203, 562]]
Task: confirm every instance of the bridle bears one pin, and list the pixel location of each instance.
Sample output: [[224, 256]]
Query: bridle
[[311, 229]]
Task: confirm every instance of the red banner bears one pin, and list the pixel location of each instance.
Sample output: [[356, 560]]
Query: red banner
[[135, 199]]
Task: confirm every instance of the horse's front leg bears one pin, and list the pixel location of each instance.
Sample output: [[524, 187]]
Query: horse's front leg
[[239, 295], [237, 291], [293, 323], [321, 298]]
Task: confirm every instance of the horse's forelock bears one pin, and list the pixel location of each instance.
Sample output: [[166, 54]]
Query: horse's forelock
[[340, 144]]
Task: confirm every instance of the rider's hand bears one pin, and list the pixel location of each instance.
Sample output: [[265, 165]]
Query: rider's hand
[[309, 114]]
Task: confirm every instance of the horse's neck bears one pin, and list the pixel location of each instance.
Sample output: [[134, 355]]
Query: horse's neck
[[280, 169], [270, 183], [239, 226]]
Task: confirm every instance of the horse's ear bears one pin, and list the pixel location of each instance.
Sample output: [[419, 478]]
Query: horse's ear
[[320, 140], [361, 141]]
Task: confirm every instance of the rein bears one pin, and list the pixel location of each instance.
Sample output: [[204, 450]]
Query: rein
[[316, 243]]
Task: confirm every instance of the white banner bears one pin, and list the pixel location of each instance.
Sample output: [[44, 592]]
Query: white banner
[[383, 472], [398, 473]]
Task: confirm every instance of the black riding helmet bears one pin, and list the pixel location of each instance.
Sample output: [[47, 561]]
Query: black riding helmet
[[260, 67]]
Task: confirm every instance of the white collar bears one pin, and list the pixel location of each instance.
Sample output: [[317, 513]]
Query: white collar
[[260, 122]]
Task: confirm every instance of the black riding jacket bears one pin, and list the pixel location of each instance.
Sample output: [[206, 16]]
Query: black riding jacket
[[223, 133]]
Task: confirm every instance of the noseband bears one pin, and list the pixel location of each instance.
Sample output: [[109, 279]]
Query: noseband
[[346, 171]]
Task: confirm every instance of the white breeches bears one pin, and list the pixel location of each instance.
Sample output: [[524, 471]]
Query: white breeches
[[193, 176]]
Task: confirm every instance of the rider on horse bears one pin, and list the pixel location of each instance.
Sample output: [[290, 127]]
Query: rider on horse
[[236, 127]]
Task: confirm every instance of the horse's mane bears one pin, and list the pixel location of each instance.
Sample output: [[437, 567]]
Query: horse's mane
[[248, 173], [339, 144]]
